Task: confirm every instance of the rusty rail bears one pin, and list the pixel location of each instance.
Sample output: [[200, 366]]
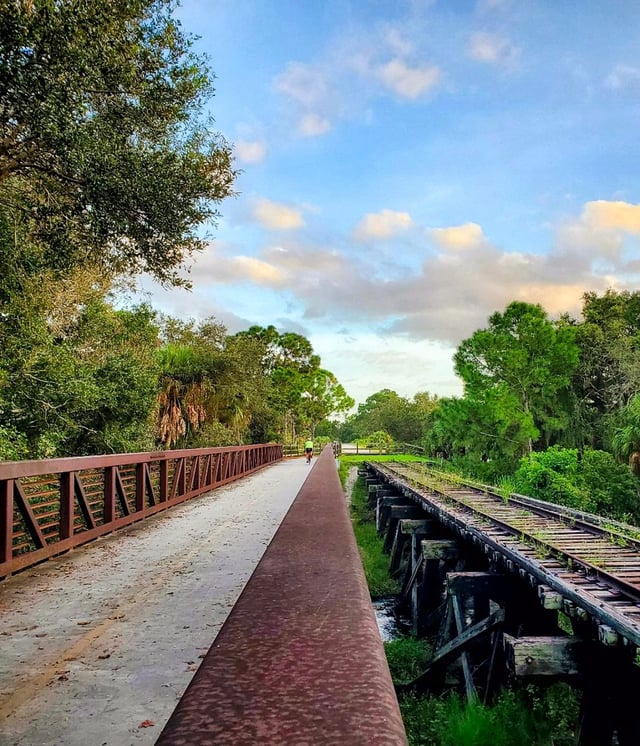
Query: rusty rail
[[50, 506]]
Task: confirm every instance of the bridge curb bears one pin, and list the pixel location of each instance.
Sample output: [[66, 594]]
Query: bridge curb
[[299, 660]]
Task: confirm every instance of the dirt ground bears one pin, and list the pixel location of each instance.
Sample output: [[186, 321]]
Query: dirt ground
[[97, 646]]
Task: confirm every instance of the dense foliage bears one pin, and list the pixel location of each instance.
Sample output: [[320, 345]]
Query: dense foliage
[[587, 480], [105, 158], [108, 168], [126, 380], [550, 408]]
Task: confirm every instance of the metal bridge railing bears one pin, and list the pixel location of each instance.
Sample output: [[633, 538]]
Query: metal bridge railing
[[50, 506]]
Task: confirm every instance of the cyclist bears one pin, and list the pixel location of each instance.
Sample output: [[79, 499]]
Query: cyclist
[[308, 450]]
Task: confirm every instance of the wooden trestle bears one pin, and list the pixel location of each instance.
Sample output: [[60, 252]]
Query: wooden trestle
[[493, 621]]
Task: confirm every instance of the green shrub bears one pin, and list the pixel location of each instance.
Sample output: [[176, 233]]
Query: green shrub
[[379, 439], [13, 445], [535, 479], [590, 481], [613, 488]]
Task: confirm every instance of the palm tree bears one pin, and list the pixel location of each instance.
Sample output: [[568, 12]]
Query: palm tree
[[182, 397]]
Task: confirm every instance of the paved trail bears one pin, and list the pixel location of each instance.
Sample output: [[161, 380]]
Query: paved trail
[[97, 647]]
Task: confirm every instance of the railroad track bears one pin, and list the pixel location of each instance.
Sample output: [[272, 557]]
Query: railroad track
[[591, 563]]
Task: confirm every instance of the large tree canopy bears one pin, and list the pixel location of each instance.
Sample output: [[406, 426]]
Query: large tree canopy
[[388, 412], [529, 357], [301, 392], [104, 155], [609, 340]]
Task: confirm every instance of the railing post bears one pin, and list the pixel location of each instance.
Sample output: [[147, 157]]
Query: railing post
[[140, 486], [66, 504], [109, 505], [6, 520], [181, 482], [164, 480]]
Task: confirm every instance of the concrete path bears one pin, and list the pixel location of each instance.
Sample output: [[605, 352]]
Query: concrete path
[[97, 647]]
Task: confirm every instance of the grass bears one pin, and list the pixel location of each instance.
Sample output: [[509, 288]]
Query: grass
[[407, 658], [374, 561], [532, 716]]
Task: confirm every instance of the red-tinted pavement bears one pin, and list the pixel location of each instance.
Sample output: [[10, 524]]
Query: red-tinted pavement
[[299, 660]]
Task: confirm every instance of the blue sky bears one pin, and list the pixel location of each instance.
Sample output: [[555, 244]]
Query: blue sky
[[410, 167]]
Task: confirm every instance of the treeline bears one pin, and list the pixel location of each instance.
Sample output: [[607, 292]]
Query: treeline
[[115, 381], [108, 166], [551, 408]]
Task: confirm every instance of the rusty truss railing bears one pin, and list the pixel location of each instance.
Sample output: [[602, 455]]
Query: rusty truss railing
[[50, 506]]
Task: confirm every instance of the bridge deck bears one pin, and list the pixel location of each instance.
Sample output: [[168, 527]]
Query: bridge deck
[[299, 660], [106, 638]]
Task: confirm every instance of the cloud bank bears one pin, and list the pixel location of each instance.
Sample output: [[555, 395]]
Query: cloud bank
[[462, 280]]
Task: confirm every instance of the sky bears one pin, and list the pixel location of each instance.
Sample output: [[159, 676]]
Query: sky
[[408, 168]]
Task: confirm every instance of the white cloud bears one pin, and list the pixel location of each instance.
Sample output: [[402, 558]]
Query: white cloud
[[554, 298], [459, 286], [258, 271], [276, 216], [312, 262], [398, 43], [249, 151], [380, 225], [604, 215], [313, 125], [492, 49], [365, 362], [598, 234], [458, 237], [306, 88], [408, 82], [464, 278], [623, 76], [241, 269], [303, 84]]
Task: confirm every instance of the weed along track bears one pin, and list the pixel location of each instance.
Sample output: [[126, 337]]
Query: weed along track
[[513, 588]]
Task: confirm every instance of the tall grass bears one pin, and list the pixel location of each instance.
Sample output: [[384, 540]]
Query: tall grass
[[407, 657], [374, 561], [531, 717]]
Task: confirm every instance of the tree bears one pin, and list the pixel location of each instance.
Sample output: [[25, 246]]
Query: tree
[[323, 396], [247, 386], [77, 376], [192, 363], [105, 158], [484, 435], [301, 393], [609, 371], [626, 438], [529, 357]]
